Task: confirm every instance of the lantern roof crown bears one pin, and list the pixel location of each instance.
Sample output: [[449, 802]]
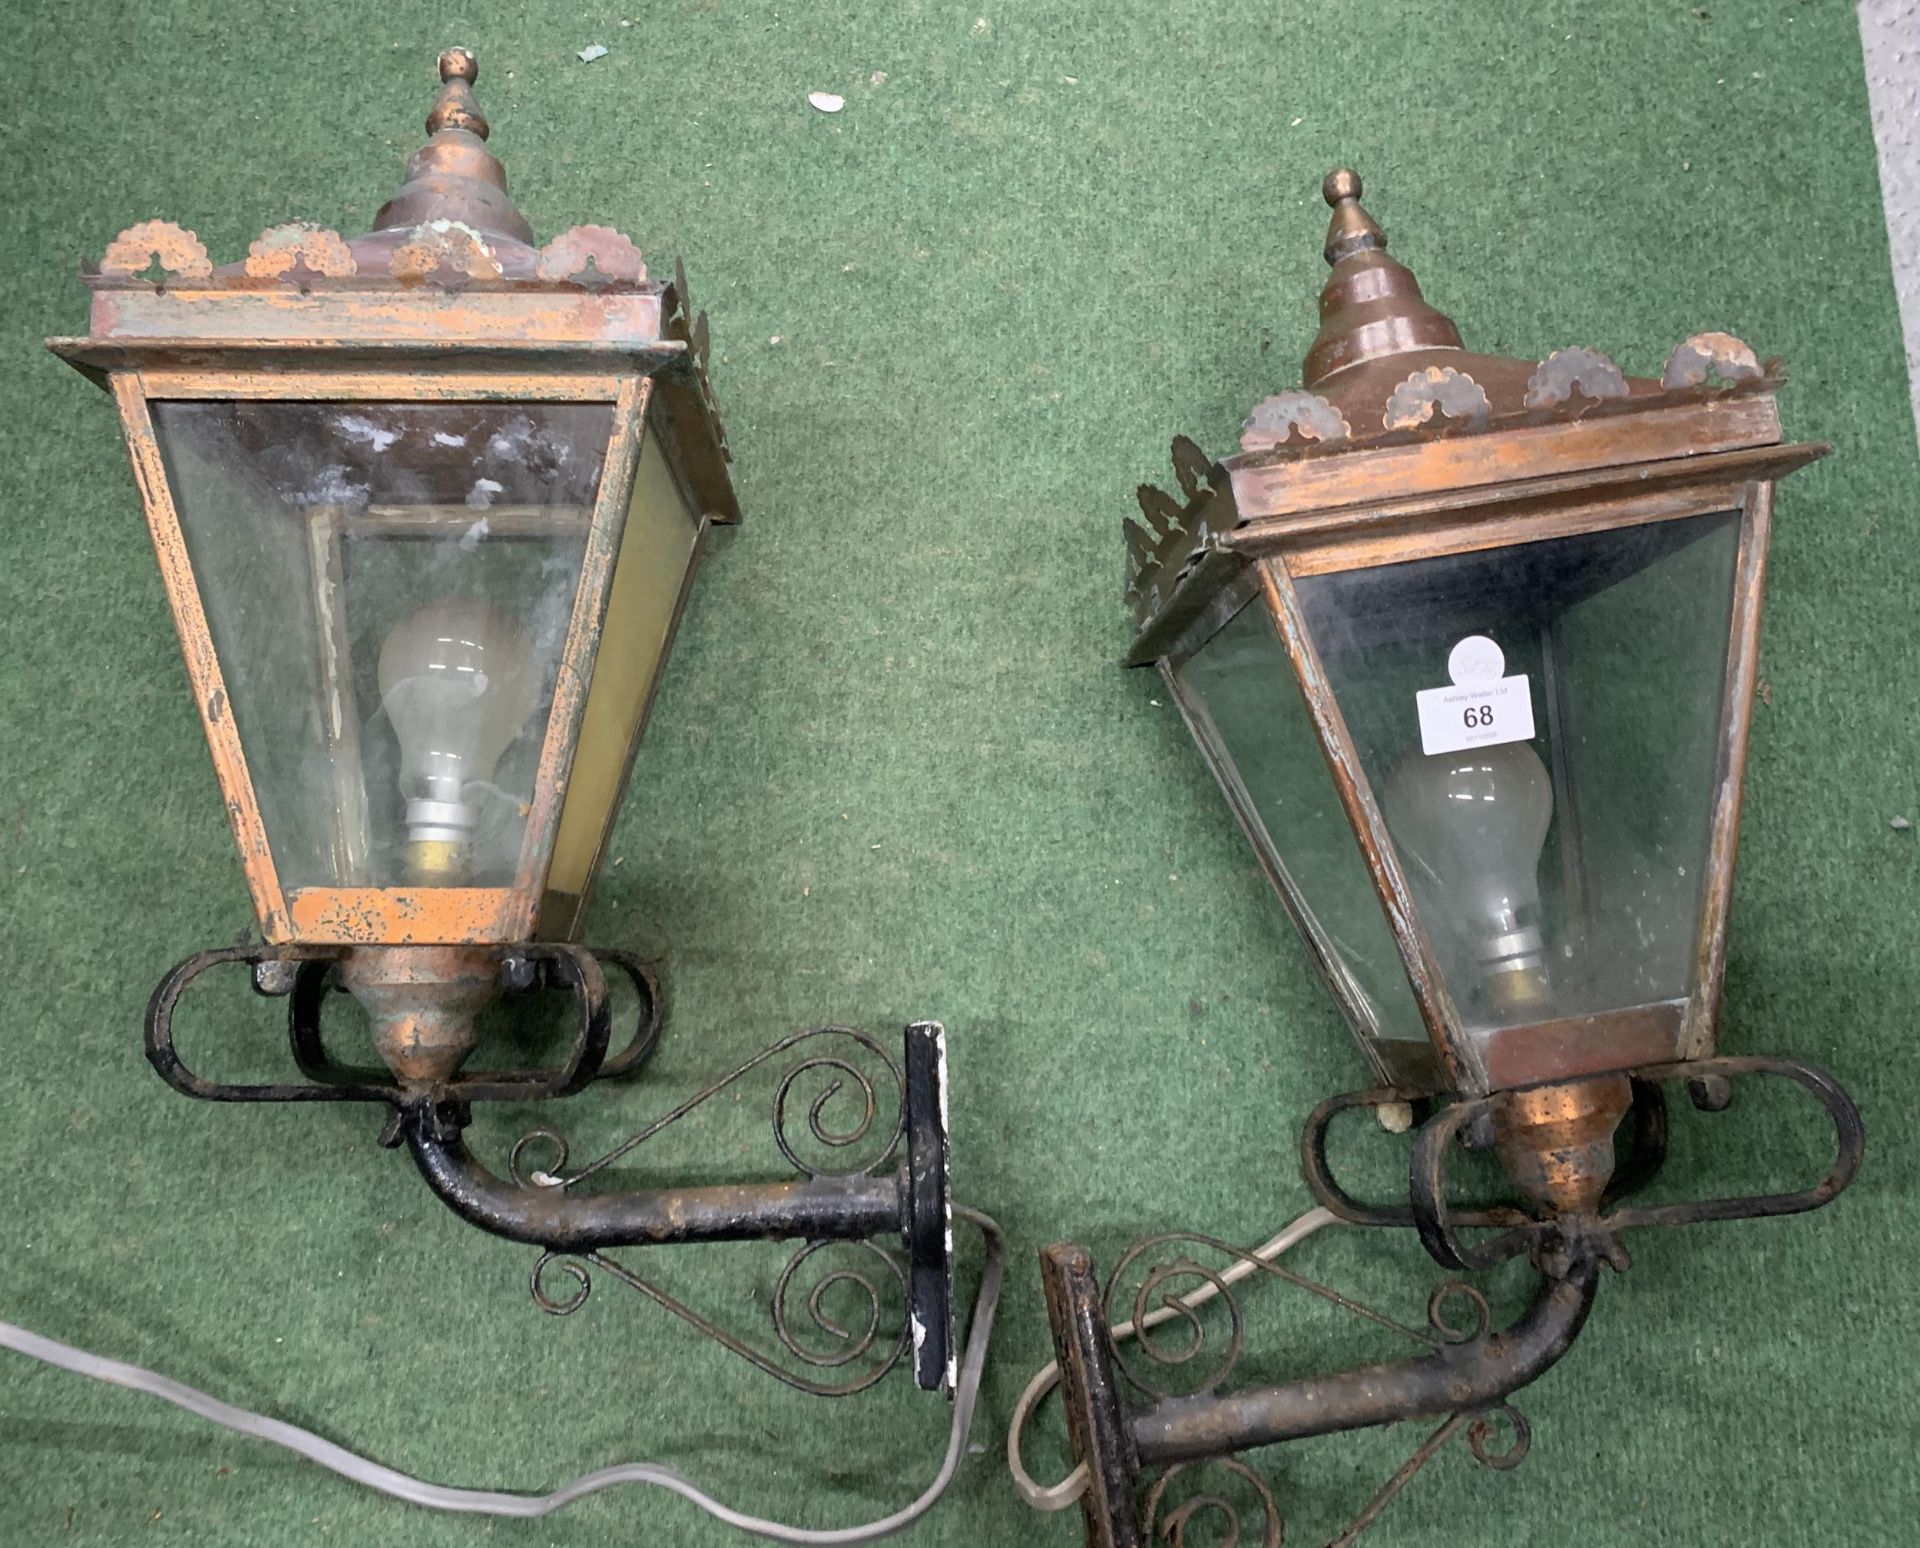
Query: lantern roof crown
[[448, 279], [451, 226], [1372, 306], [1397, 422], [454, 177]]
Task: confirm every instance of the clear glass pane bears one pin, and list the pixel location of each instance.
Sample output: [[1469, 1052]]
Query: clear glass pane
[[1557, 872], [388, 586], [1246, 704]]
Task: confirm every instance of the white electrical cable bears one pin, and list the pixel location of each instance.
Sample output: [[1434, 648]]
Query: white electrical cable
[[1059, 1496], [488, 1502]]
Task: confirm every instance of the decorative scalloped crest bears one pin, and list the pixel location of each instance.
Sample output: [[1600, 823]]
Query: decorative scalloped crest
[[1566, 371], [298, 250], [1191, 468], [1176, 533], [177, 251], [1708, 355], [1290, 416], [1438, 389], [682, 297], [592, 255], [444, 253]]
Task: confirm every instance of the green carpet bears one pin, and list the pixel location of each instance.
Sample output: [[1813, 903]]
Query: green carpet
[[895, 771]]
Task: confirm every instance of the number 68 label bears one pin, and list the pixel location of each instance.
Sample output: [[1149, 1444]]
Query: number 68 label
[[1475, 714]]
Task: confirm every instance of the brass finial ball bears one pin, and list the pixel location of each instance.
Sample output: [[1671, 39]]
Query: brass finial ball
[[459, 64], [1341, 184]]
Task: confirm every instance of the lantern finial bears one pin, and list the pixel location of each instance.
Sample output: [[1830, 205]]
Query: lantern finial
[[455, 107], [1352, 229], [454, 177], [1371, 305]]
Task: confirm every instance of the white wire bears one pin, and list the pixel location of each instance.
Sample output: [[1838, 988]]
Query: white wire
[[1061, 1495], [488, 1502]]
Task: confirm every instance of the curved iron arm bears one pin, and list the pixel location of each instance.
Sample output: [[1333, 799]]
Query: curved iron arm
[[914, 1202], [1454, 1378], [813, 1208], [1465, 1380]]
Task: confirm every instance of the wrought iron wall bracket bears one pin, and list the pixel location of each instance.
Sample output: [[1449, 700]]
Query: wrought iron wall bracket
[[903, 1193], [1464, 1377]]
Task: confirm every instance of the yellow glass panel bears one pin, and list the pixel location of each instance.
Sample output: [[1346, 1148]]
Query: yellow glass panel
[[655, 552]]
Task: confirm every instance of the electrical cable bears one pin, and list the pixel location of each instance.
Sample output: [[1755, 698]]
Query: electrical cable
[[487, 1502], [1061, 1495]]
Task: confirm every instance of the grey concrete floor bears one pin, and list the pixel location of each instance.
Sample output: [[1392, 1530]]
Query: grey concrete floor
[[1890, 42]]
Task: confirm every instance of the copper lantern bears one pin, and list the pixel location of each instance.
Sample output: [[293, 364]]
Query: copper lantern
[[428, 504], [1470, 646]]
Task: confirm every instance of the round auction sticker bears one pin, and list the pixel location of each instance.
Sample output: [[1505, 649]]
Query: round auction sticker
[[1476, 659]]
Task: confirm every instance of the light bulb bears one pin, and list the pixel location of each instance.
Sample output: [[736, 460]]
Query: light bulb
[[457, 682], [1472, 823]]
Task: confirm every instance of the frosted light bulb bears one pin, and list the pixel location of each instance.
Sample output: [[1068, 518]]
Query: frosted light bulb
[[457, 682], [1472, 823]]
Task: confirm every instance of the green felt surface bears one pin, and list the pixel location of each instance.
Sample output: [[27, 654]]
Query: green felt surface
[[894, 770]]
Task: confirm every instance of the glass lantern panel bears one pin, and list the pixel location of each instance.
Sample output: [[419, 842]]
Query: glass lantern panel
[[656, 551], [388, 587], [1246, 707], [1540, 725]]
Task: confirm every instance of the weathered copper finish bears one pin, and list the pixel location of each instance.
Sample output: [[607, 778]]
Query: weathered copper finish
[[1461, 1058], [454, 177], [1371, 306], [1404, 446], [422, 1001], [447, 299], [1556, 1142]]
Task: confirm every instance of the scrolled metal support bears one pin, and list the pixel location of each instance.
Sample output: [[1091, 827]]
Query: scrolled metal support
[[304, 976], [1465, 1375], [1467, 1372], [1849, 1135], [1318, 1171], [912, 1201], [1713, 1080], [902, 1192]]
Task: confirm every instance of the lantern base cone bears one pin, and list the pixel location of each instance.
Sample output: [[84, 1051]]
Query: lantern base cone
[[422, 1001], [1556, 1141]]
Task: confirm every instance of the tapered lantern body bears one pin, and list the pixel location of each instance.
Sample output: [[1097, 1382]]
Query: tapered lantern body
[[427, 504], [1470, 644]]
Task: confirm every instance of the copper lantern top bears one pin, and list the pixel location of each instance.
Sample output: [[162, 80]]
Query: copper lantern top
[[450, 264], [1396, 408], [454, 176]]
